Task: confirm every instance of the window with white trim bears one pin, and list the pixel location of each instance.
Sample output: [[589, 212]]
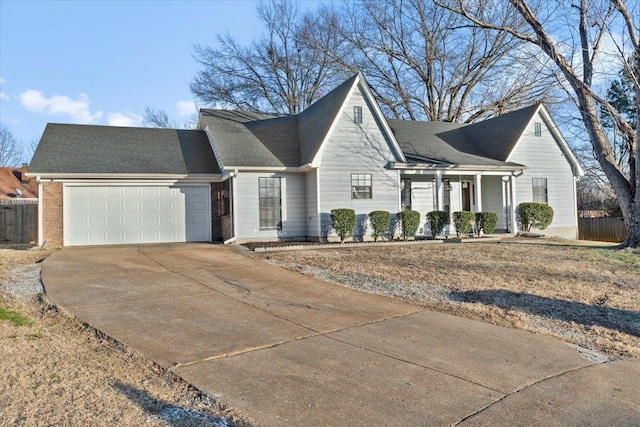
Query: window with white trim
[[539, 186], [357, 114], [405, 195], [537, 128], [361, 186], [270, 203]]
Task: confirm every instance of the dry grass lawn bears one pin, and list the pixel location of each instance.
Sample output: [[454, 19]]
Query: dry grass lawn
[[57, 371], [583, 294]]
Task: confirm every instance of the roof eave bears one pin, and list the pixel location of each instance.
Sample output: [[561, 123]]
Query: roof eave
[[456, 167], [293, 169], [125, 176]]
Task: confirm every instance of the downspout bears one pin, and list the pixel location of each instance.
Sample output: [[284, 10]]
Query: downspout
[[40, 226]]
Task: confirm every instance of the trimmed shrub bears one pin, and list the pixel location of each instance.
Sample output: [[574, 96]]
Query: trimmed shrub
[[409, 222], [343, 221], [437, 220], [534, 215], [380, 221], [486, 222], [463, 221]]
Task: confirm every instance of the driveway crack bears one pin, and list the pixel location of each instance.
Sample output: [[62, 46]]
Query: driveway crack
[[550, 377]]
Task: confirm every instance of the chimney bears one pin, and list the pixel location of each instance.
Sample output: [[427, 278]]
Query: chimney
[[23, 174]]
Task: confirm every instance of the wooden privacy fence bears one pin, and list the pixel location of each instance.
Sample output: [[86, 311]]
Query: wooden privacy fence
[[602, 229], [18, 221]]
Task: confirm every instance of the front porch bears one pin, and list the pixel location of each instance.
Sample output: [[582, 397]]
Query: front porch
[[451, 191]]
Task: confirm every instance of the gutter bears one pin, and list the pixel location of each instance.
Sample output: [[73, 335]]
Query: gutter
[[303, 168], [122, 176], [456, 167]]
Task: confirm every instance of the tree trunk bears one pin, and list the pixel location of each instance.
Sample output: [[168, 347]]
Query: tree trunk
[[625, 190]]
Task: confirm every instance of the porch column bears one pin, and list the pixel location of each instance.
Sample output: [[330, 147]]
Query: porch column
[[505, 203], [439, 192], [478, 192], [512, 208]]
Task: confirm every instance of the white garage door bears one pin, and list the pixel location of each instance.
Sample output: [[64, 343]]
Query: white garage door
[[136, 214]]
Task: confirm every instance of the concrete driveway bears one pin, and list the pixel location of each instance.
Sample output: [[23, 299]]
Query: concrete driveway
[[287, 349]]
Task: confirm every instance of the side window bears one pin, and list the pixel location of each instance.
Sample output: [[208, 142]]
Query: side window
[[538, 128], [405, 185], [270, 204], [361, 186], [539, 186], [357, 114]]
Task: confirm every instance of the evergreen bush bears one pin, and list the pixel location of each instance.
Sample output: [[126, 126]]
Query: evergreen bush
[[534, 215], [343, 221], [486, 222], [437, 220], [409, 222], [463, 221], [380, 221]]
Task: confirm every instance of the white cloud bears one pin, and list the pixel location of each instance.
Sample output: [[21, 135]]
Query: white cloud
[[126, 119], [33, 100], [4, 96], [2, 81], [78, 109], [186, 108]]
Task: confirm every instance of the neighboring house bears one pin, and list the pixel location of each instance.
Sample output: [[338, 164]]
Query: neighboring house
[[15, 184], [247, 176]]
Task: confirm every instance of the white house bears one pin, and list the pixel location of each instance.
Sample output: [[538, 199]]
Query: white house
[[246, 176]]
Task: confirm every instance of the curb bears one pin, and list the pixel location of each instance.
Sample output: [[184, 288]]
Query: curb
[[371, 244]]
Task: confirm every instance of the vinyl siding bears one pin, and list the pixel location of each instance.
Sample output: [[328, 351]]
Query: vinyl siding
[[356, 148], [422, 188], [492, 199], [311, 181], [293, 201], [545, 159]]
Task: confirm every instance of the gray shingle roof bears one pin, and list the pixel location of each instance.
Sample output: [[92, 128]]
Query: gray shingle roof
[[250, 139], [440, 142], [122, 150], [244, 138], [497, 136]]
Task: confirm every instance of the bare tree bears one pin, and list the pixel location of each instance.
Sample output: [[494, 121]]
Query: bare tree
[[427, 62], [277, 72], [157, 118], [10, 149], [30, 149], [577, 61]]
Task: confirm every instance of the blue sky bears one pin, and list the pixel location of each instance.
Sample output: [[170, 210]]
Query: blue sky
[[102, 62]]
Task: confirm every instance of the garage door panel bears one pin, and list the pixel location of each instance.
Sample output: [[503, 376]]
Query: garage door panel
[[115, 221], [143, 214], [132, 207], [115, 206], [131, 192], [95, 192]]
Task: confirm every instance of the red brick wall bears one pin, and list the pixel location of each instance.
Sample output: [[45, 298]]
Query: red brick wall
[[52, 222]]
